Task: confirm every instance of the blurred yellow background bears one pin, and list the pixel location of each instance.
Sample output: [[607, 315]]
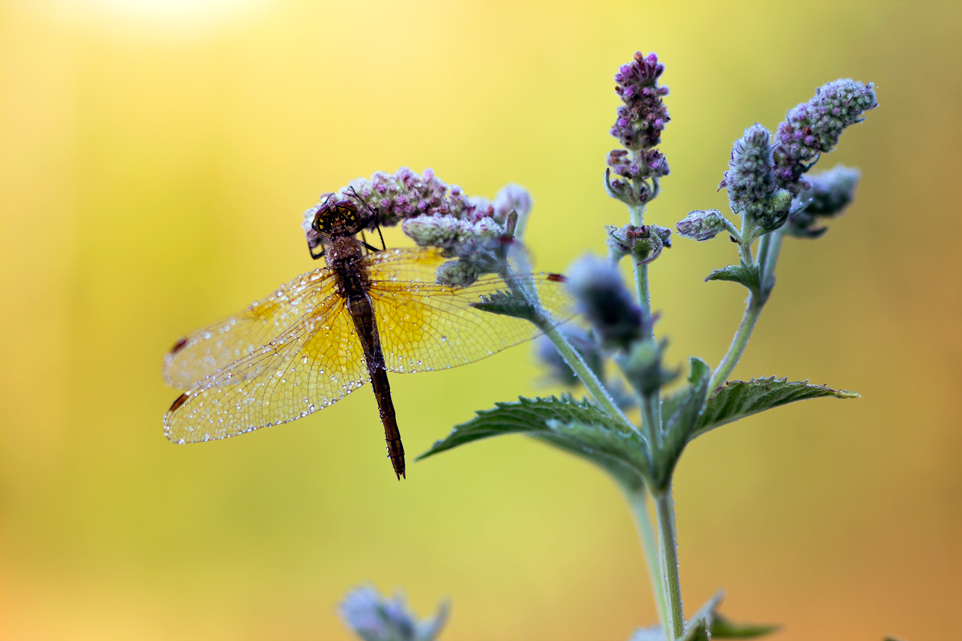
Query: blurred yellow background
[[155, 160]]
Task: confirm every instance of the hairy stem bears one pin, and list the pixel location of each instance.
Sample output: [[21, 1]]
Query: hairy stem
[[739, 343], [768, 250], [651, 423], [637, 218], [587, 377], [638, 500], [665, 511]]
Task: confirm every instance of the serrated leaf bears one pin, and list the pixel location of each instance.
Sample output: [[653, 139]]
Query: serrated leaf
[[575, 426], [683, 422], [747, 275], [737, 399], [722, 628], [507, 304]]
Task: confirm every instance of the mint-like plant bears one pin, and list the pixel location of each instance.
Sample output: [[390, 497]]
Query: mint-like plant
[[772, 195]]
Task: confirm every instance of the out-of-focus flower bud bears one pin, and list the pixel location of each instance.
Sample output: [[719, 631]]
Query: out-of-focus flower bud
[[829, 193], [512, 197], [642, 366], [376, 618], [605, 302]]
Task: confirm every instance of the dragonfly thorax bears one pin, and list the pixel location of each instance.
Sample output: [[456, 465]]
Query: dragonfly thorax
[[339, 218]]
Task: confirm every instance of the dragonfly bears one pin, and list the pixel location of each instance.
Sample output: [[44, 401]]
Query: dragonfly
[[366, 313]]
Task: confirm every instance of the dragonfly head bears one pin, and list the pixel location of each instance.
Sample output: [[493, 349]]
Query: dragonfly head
[[339, 218]]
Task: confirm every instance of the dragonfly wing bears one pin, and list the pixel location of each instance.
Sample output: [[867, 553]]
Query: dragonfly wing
[[209, 350], [425, 326], [317, 362]]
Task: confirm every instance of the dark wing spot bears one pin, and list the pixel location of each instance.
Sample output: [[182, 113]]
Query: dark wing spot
[[180, 401], [179, 345], [557, 278]]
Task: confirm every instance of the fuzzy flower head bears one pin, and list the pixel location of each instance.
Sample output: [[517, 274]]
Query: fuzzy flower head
[[828, 194], [813, 128], [473, 231], [406, 194], [750, 180], [376, 618]]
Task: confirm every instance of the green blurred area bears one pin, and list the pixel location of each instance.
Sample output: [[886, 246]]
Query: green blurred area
[[155, 160]]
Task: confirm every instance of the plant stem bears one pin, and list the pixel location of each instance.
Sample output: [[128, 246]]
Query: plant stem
[[637, 218], [638, 501], [740, 342], [651, 424], [665, 511], [768, 250], [583, 372]]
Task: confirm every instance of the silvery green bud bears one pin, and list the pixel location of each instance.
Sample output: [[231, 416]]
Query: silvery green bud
[[458, 273], [703, 224]]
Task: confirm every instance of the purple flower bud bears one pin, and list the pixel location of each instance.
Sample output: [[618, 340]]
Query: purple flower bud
[[813, 128], [644, 116], [828, 194], [605, 302], [702, 224]]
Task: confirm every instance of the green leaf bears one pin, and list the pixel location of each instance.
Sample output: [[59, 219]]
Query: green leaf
[[699, 626], [722, 628], [737, 399], [507, 304], [683, 422], [747, 275], [574, 426], [708, 624]]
